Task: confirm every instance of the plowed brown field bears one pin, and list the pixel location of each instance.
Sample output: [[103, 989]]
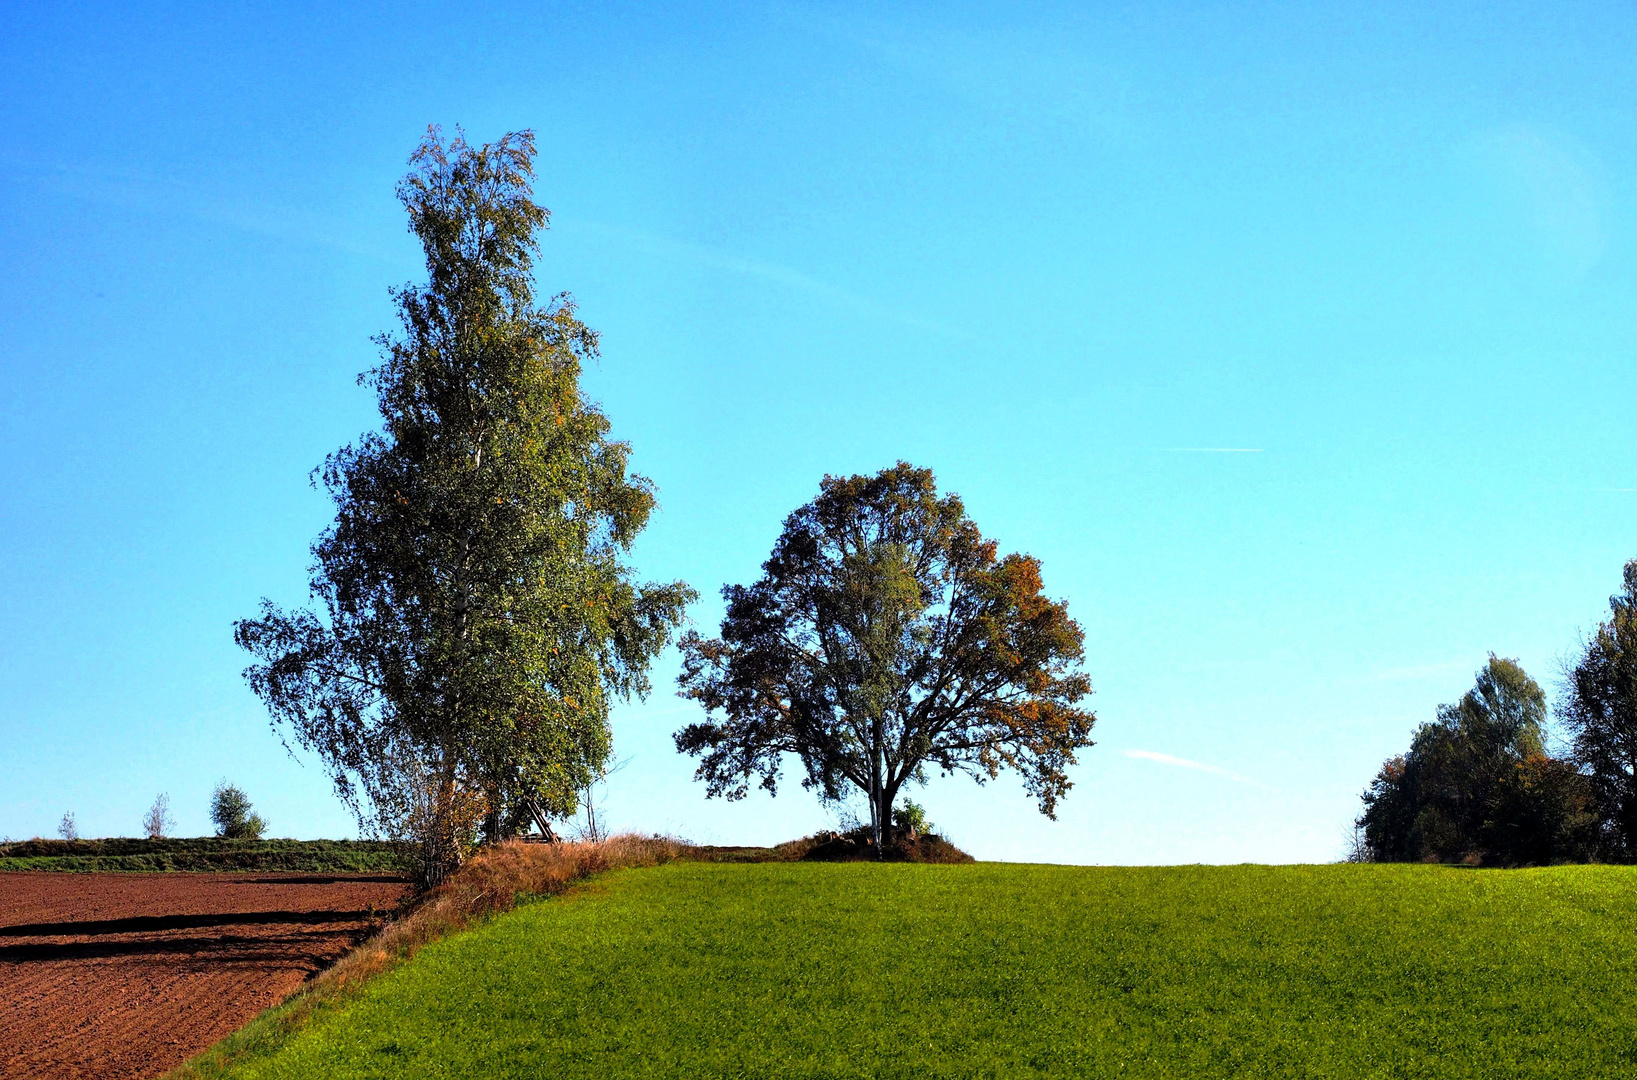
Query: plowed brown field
[[126, 975]]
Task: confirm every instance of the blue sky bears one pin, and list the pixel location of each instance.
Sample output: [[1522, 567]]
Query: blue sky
[[1062, 255]]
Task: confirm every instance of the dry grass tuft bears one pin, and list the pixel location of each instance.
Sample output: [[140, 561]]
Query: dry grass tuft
[[493, 881]]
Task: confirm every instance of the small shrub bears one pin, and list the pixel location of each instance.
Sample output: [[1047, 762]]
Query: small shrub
[[66, 828], [230, 810], [911, 818], [157, 822], [859, 846]]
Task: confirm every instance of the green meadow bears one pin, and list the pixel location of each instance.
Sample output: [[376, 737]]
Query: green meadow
[[868, 970]]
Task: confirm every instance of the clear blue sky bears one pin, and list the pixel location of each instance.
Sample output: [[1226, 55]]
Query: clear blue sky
[[1061, 257]]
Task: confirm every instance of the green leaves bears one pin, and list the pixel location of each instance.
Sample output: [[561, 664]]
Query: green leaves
[[1600, 712], [885, 635], [472, 606], [1477, 785], [231, 812]]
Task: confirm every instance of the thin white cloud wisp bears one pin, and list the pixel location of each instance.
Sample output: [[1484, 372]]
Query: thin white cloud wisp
[[1196, 766]]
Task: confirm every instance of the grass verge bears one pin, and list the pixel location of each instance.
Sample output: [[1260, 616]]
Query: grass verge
[[798, 969], [491, 883]]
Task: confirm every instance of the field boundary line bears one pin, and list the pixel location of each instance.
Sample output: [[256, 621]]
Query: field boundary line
[[493, 882]]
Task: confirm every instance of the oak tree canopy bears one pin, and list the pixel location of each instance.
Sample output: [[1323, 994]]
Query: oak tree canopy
[[886, 637]]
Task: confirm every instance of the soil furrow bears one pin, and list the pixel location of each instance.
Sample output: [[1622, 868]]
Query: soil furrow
[[123, 976]]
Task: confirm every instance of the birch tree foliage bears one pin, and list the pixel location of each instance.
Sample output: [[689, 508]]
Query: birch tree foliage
[[886, 637], [472, 608]]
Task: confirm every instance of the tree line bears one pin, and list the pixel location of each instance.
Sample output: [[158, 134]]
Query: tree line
[[473, 611], [1478, 784], [230, 812]]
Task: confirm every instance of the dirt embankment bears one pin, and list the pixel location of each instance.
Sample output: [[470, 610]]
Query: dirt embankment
[[854, 846], [126, 975]]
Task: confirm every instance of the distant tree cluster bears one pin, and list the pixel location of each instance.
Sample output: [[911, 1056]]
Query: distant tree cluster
[[229, 808], [1478, 785]]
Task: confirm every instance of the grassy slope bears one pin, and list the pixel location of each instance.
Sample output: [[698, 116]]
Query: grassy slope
[[998, 970], [200, 853]]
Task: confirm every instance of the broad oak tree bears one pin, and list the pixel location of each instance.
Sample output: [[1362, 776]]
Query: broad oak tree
[[472, 609], [886, 637]]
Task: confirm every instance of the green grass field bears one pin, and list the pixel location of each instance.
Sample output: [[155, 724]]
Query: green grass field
[[204, 853], [863, 970]]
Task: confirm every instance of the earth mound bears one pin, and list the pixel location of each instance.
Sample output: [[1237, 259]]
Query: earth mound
[[855, 845], [829, 846], [859, 846]]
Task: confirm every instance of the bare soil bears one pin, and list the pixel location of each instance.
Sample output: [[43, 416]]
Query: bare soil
[[127, 975]]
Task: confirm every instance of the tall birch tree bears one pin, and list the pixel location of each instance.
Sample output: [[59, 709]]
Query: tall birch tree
[[473, 611]]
